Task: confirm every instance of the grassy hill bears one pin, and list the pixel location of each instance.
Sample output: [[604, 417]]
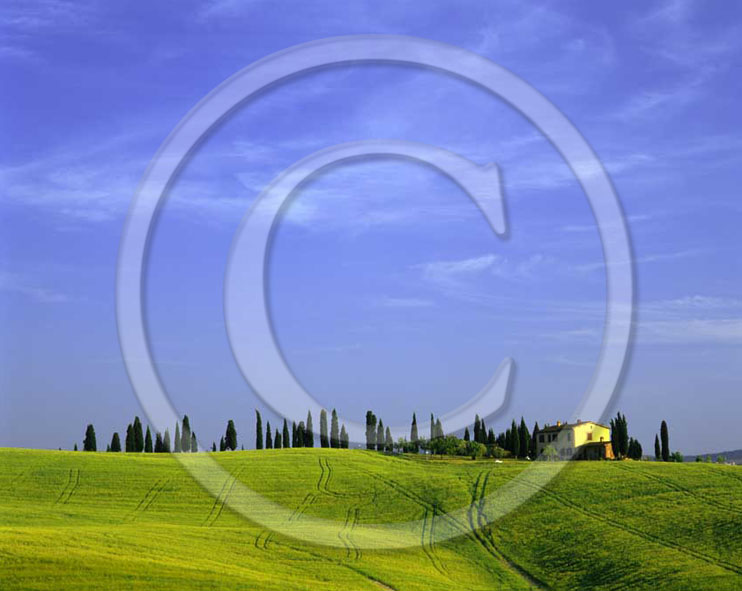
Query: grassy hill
[[106, 521]]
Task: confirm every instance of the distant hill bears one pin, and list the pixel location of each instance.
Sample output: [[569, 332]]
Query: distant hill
[[731, 456]]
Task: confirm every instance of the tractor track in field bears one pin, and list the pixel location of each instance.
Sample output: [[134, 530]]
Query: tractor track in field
[[351, 520], [261, 543], [323, 484], [221, 499], [679, 488], [427, 541], [629, 529], [73, 481], [416, 498], [306, 502], [484, 536], [343, 564], [430, 512], [148, 499], [324, 478]]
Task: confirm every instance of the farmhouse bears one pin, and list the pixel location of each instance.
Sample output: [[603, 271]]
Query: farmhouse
[[583, 440]]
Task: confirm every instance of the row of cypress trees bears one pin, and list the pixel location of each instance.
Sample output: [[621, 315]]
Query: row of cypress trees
[[377, 437], [136, 441], [623, 445], [517, 439], [302, 435]]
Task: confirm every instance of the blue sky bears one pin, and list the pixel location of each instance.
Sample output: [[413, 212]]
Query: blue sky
[[387, 288]]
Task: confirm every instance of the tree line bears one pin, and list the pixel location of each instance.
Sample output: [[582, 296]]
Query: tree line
[[303, 434], [517, 441], [185, 441]]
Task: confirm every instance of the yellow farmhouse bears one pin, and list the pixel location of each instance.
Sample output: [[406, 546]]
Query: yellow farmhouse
[[583, 440]]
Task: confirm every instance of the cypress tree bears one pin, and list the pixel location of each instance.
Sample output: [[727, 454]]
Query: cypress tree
[[148, 441], [438, 428], [158, 444], [75, 448], [230, 437], [635, 449], [388, 440], [185, 437], [309, 431], [482, 432], [277, 443], [665, 441], [614, 439], [222, 444], [414, 437], [432, 427], [176, 440], [213, 446], [138, 436], [657, 450], [491, 438], [129, 441], [258, 430], [89, 443], [476, 429], [324, 439], [514, 440], [285, 441], [533, 451], [108, 447], [524, 438], [294, 435], [334, 433], [166, 442], [370, 430], [268, 436], [194, 442], [380, 436], [301, 434], [466, 433], [344, 441], [115, 442], [624, 433]]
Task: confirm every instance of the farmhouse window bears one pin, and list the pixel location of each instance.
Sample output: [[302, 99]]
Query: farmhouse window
[[589, 436]]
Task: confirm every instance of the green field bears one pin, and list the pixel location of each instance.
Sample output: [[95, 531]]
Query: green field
[[124, 521]]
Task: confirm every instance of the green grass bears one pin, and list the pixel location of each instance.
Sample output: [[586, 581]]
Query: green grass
[[123, 521]]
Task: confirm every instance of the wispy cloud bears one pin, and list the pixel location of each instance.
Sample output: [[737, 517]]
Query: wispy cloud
[[689, 320], [463, 278], [404, 303], [13, 283], [641, 260]]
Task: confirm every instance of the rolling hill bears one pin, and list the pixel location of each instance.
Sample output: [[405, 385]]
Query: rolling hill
[[128, 521]]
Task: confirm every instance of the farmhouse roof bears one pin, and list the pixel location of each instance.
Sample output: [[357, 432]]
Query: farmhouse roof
[[560, 426]]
